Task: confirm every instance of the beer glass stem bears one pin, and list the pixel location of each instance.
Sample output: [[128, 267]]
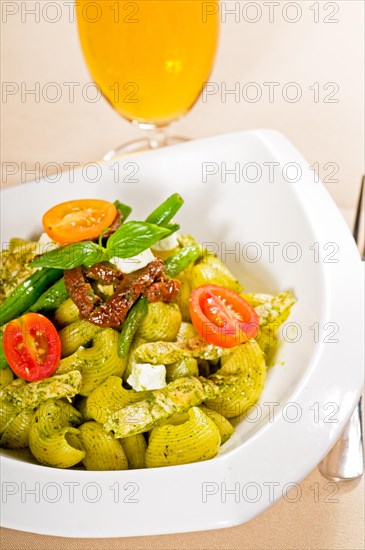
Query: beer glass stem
[[155, 137]]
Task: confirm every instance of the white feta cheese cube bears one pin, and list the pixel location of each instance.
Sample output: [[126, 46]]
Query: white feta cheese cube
[[128, 265], [145, 376]]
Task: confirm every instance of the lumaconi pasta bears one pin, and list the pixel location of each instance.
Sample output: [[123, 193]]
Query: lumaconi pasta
[[135, 449], [223, 424], [196, 438], [186, 332], [162, 322], [75, 335], [8, 410], [6, 377], [18, 395], [97, 362], [109, 397], [102, 450], [16, 434], [187, 366], [66, 313], [268, 341], [241, 380], [49, 435], [125, 330], [211, 270], [182, 298]]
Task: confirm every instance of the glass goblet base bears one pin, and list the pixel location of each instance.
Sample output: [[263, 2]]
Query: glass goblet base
[[154, 139]]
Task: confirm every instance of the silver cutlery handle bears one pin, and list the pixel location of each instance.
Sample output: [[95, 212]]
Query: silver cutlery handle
[[345, 461]]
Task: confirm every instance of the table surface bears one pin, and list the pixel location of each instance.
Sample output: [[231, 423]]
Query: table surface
[[316, 50]]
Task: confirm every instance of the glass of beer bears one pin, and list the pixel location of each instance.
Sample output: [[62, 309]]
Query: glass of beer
[[149, 58]]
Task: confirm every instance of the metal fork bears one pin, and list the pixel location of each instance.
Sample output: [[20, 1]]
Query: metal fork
[[345, 461]]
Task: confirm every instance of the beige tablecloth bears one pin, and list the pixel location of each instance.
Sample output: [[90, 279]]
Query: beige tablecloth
[[315, 45]]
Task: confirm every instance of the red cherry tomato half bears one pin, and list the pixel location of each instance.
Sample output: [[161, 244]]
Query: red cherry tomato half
[[222, 317], [32, 347]]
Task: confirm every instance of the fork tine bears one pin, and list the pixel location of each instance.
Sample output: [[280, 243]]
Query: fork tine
[[359, 212]]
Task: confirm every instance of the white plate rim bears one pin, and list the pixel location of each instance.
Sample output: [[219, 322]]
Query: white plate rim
[[321, 437]]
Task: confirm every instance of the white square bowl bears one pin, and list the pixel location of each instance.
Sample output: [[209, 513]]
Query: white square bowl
[[251, 198]]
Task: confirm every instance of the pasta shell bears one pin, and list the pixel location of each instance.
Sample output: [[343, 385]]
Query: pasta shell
[[195, 440], [108, 397], [187, 366], [135, 449], [66, 313], [97, 362], [162, 322], [241, 380], [49, 433], [6, 376], [102, 450], [16, 435], [224, 426]]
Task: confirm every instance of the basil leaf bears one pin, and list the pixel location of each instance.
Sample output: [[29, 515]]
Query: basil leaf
[[124, 209], [166, 211], [85, 253], [132, 238]]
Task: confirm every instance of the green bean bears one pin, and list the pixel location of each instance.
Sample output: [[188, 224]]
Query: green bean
[[52, 298], [164, 213], [130, 326], [172, 227], [181, 260], [27, 293]]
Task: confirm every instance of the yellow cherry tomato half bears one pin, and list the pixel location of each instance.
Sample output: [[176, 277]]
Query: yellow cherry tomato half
[[78, 220]]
